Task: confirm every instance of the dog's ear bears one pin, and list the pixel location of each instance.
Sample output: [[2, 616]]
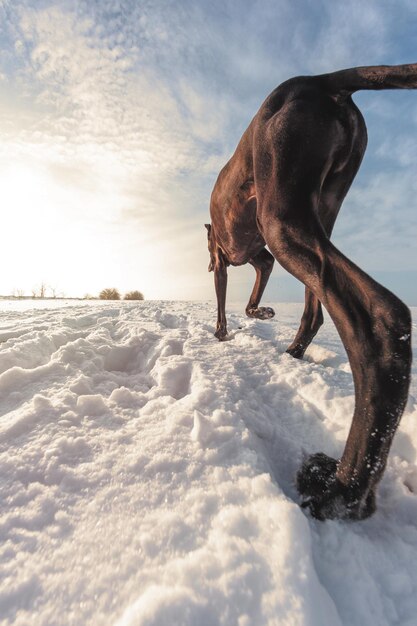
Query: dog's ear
[[208, 226]]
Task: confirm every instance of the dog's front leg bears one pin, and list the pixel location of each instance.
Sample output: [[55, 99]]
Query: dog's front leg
[[220, 283]]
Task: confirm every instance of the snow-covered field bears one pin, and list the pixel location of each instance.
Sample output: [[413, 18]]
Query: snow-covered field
[[147, 474]]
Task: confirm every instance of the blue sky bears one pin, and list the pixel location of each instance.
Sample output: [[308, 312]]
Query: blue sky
[[116, 116]]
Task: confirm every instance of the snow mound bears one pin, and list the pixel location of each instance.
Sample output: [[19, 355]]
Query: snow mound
[[147, 475]]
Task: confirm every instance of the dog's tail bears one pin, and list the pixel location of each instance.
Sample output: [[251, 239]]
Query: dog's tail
[[371, 77]]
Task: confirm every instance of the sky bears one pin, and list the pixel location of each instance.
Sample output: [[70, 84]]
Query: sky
[[116, 117]]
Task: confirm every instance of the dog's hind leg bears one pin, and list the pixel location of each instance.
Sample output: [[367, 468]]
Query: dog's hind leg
[[263, 263], [311, 321], [332, 195], [374, 325], [375, 328]]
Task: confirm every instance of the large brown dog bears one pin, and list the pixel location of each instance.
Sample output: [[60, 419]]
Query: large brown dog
[[283, 187]]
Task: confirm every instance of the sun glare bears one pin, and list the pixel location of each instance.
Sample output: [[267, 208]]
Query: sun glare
[[73, 240], [41, 241]]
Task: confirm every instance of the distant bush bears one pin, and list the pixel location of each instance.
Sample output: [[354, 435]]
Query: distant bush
[[109, 294], [134, 295]]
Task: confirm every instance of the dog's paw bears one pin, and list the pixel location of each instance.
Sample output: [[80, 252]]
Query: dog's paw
[[221, 334], [261, 313], [316, 475], [325, 496], [296, 351]]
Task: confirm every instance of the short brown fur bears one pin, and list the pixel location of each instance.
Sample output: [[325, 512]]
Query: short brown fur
[[283, 188]]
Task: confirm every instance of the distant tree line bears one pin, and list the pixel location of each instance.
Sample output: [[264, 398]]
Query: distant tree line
[[45, 292], [113, 294]]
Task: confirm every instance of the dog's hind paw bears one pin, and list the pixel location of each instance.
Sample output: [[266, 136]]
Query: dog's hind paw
[[296, 351], [325, 496]]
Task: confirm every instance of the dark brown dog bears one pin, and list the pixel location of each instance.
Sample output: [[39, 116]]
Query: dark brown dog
[[283, 187]]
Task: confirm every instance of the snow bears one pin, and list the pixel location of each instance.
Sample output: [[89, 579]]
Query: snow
[[147, 474]]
